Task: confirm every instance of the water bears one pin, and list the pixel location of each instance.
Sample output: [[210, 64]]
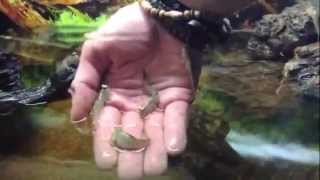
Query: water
[[40, 142], [253, 146]]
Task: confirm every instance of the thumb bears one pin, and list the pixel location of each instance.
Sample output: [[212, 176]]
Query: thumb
[[87, 79]]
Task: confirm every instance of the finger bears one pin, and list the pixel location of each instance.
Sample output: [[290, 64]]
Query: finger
[[155, 160], [105, 155], [175, 118], [130, 164], [87, 80]]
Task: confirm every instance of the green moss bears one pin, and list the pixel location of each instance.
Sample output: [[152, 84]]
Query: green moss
[[74, 17], [70, 25], [33, 75], [289, 125], [279, 129], [213, 101], [315, 146], [208, 102]]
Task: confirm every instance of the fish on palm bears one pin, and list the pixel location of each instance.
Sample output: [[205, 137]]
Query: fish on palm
[[124, 141], [84, 126]]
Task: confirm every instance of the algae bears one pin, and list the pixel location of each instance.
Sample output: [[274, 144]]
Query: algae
[[288, 124]]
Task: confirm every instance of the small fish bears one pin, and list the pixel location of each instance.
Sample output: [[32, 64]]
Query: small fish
[[153, 101], [124, 141], [84, 126], [100, 102]]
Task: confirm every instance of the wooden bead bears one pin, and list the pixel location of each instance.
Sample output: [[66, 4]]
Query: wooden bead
[[196, 13], [174, 14], [187, 14], [146, 5], [162, 13], [154, 11]]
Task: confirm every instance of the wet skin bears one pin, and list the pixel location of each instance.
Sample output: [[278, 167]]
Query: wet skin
[[129, 47]]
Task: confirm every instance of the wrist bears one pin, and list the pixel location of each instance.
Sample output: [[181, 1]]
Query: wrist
[[195, 28]]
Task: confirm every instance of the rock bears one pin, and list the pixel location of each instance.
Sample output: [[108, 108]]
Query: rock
[[251, 84], [276, 35], [303, 71], [208, 155], [9, 72], [55, 87], [93, 7], [6, 23], [254, 12]]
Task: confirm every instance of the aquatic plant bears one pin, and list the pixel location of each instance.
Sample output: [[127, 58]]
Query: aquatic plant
[[74, 17], [70, 25], [64, 2], [209, 102], [61, 34], [23, 14]]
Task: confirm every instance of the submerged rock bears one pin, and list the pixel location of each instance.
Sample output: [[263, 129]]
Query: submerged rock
[[276, 35], [9, 72], [93, 7], [251, 84], [209, 155], [303, 71], [55, 87]]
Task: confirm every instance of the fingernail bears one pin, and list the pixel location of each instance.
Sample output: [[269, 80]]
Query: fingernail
[[175, 147], [83, 126], [105, 160], [106, 155]]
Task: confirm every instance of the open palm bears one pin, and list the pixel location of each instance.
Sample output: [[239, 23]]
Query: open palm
[[120, 54]]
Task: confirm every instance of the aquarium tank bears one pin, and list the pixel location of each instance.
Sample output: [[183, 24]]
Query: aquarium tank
[[250, 89]]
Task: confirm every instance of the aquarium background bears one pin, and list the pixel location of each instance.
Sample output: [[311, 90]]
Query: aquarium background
[[245, 123]]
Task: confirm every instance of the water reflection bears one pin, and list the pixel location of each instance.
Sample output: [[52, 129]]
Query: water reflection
[[254, 146]]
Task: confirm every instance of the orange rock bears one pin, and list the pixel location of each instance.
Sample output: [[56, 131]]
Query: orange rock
[[22, 14], [64, 2]]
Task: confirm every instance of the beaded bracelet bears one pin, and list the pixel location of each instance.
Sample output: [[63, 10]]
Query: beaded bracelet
[[195, 28], [174, 14]]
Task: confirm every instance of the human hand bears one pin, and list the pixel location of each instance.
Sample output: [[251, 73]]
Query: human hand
[[129, 47]]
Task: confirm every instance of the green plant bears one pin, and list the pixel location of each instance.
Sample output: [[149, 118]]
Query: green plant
[[70, 25], [72, 16]]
